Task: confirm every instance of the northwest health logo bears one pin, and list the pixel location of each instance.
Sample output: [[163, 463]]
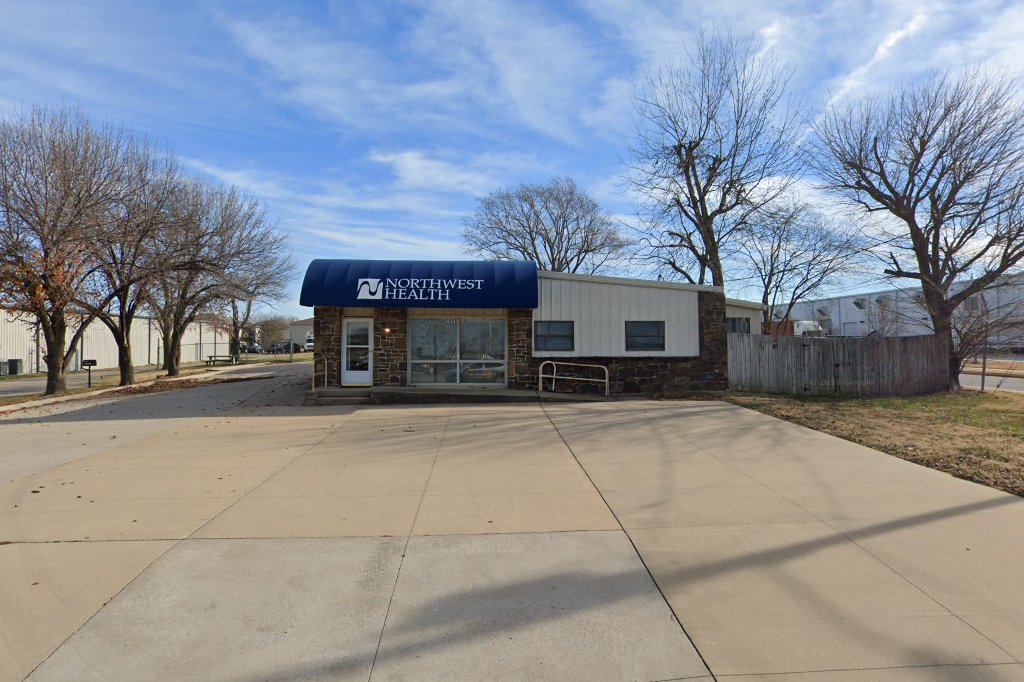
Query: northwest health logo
[[369, 289]]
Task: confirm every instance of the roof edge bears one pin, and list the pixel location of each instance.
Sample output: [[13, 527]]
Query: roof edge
[[628, 281]]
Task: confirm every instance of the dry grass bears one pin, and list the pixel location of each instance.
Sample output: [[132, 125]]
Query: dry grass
[[975, 436]]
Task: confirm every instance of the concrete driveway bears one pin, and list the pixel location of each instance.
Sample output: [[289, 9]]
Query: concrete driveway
[[635, 541]]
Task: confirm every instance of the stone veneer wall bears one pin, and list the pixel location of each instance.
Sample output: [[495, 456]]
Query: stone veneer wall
[[327, 344], [520, 348], [637, 375], [390, 364], [634, 375]]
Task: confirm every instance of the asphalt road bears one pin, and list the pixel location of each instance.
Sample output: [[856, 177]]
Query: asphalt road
[[992, 382], [37, 384]]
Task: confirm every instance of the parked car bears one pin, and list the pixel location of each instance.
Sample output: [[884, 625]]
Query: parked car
[[309, 345], [282, 347], [246, 347]]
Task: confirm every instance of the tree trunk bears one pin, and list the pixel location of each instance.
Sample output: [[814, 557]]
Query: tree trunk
[[55, 334], [121, 329], [124, 363], [944, 329], [173, 360], [165, 339]]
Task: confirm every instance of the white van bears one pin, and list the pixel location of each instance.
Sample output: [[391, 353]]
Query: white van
[[309, 341]]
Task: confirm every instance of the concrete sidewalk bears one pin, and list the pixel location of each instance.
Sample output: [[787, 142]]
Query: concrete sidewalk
[[784, 550], [503, 541]]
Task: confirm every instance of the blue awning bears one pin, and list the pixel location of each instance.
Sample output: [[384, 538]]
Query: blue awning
[[420, 284]]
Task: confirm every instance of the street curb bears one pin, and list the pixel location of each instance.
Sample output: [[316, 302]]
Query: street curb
[[996, 373]]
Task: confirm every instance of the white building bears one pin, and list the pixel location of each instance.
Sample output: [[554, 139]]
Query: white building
[[19, 339], [901, 312], [490, 323], [742, 317], [300, 330]]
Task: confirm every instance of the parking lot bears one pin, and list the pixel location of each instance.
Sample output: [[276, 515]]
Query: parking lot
[[224, 533]]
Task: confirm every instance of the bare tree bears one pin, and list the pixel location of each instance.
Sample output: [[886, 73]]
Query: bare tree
[[261, 267], [556, 225], [180, 295], [273, 328], [790, 252], [883, 315], [714, 142], [990, 319], [978, 321], [232, 257], [129, 247], [945, 160], [58, 174]]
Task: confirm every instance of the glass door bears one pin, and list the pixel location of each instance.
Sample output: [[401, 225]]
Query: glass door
[[356, 353]]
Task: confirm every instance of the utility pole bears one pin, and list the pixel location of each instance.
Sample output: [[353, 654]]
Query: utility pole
[[984, 346]]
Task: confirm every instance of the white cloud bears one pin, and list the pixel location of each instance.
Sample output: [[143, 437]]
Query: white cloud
[[856, 78], [453, 60], [371, 242], [459, 173], [535, 62], [346, 81], [418, 171], [610, 117]]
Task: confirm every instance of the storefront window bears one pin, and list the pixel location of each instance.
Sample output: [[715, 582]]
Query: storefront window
[[457, 350], [434, 339], [482, 339]]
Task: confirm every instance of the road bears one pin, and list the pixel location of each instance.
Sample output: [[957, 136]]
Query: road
[[37, 384], [992, 382]]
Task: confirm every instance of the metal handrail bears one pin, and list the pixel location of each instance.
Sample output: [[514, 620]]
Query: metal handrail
[[554, 373]]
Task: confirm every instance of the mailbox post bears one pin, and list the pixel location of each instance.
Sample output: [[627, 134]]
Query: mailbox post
[[89, 364]]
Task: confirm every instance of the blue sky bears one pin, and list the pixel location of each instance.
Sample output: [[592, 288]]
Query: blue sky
[[370, 127]]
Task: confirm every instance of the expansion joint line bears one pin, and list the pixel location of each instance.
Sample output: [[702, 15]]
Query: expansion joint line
[[405, 548], [636, 551], [849, 539]]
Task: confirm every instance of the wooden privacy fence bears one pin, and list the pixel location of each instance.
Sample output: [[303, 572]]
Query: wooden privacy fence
[[837, 365]]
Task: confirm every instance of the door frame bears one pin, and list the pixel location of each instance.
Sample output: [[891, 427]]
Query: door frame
[[344, 351]]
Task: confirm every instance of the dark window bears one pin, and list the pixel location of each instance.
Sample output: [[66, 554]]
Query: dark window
[[553, 336], [645, 336], [737, 325]]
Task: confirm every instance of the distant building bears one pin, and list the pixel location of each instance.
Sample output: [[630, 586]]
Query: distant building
[[300, 330], [901, 312], [742, 317], [21, 340]]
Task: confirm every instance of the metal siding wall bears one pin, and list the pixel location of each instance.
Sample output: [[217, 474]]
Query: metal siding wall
[[753, 315], [17, 340], [298, 331], [601, 309]]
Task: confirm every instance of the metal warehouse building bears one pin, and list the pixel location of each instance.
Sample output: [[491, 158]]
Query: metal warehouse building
[[492, 324]]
